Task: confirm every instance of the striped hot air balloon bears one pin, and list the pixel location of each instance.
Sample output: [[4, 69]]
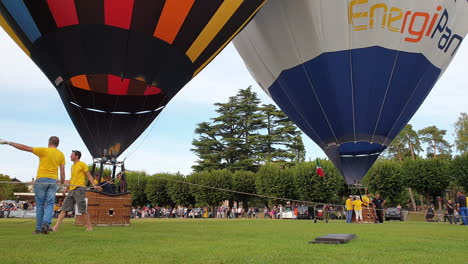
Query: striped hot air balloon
[[117, 63]]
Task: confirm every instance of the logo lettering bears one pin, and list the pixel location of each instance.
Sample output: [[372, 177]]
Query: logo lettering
[[414, 25]]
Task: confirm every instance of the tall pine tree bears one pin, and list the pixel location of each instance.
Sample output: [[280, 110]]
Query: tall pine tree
[[437, 145], [461, 133], [231, 139], [244, 136], [405, 145], [282, 140]]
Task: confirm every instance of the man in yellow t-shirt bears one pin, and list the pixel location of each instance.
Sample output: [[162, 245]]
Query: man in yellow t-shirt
[[77, 191], [357, 204], [349, 209], [45, 187], [366, 200]]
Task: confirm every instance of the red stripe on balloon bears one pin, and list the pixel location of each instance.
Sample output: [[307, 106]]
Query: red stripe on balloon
[[118, 13], [117, 85], [152, 90], [64, 12]]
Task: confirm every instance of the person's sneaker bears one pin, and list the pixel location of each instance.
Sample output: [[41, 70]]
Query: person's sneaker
[[45, 228], [36, 232]]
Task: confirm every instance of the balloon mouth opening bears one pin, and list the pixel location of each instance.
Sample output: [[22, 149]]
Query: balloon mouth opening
[[114, 85], [354, 159], [360, 149]]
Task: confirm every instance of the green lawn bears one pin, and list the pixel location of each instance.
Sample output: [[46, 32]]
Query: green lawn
[[234, 241]]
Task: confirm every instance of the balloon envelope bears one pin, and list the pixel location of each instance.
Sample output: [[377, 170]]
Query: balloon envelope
[[352, 73], [117, 63]]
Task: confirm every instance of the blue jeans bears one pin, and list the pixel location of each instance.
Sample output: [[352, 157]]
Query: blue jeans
[[464, 215], [349, 216], [45, 198]]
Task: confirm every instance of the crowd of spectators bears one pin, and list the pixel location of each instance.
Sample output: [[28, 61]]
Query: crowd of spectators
[[6, 207], [273, 212], [189, 212]]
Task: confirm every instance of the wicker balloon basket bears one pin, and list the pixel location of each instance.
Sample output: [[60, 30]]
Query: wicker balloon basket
[[107, 209], [368, 215]]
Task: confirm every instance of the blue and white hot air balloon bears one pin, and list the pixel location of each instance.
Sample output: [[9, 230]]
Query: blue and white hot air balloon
[[352, 73]]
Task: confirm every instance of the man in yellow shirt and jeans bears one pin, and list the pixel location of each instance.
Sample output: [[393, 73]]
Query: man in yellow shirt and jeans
[[77, 191], [349, 209], [50, 159]]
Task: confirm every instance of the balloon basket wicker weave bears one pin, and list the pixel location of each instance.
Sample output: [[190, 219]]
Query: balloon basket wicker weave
[[368, 215], [107, 209]]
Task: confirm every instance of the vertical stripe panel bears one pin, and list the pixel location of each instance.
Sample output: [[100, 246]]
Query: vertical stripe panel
[[23, 18], [64, 12], [146, 15], [90, 11], [80, 81], [172, 18], [196, 21], [40, 12], [238, 21], [98, 83], [152, 90], [118, 13], [224, 13], [13, 35], [136, 87], [117, 85]]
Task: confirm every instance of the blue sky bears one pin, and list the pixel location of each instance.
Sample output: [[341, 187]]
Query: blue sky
[[31, 111]]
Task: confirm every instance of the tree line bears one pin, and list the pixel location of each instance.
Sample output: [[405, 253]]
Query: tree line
[[271, 181], [402, 181], [427, 178]]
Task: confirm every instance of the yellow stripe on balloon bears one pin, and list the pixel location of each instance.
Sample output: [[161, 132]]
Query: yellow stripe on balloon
[[216, 23], [227, 42], [13, 35]]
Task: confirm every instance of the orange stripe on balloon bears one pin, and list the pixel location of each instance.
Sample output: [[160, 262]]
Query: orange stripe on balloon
[[172, 17], [80, 81]]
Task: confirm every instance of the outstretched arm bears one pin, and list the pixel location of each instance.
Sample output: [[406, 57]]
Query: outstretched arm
[[17, 145]]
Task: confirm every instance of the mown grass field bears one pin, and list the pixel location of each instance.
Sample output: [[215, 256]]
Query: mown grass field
[[234, 241]]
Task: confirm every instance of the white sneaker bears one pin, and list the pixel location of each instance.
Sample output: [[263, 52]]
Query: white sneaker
[[3, 142]]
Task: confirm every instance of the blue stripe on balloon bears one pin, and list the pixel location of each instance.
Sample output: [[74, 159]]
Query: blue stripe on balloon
[[23, 18]]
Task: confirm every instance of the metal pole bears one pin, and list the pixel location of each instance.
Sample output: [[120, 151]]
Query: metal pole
[[93, 169], [100, 171], [114, 168], [124, 179]]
